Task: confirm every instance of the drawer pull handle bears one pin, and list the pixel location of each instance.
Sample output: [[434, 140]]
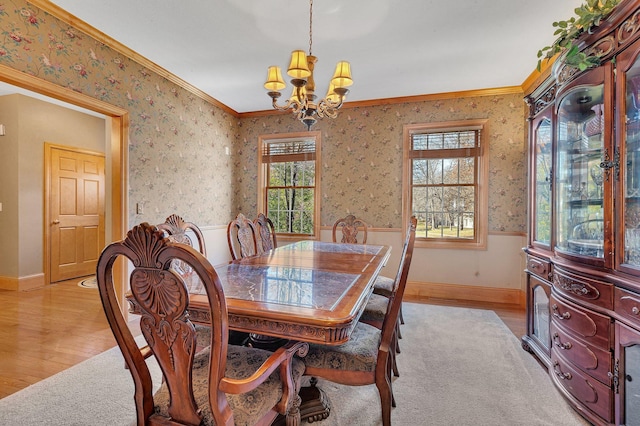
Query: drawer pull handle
[[635, 310], [559, 373], [563, 316], [558, 343]]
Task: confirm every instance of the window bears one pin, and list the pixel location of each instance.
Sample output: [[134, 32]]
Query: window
[[289, 169], [445, 183]]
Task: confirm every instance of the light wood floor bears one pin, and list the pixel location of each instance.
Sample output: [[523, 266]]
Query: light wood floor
[[45, 331]]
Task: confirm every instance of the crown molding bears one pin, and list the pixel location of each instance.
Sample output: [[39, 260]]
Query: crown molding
[[78, 23], [81, 25]]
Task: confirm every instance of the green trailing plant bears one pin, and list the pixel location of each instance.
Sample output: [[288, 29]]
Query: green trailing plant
[[589, 15]]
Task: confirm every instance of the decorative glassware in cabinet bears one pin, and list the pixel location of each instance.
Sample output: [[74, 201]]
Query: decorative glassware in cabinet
[[542, 225], [578, 175], [631, 168]]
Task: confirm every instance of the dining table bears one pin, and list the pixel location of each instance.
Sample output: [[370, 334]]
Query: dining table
[[309, 291]]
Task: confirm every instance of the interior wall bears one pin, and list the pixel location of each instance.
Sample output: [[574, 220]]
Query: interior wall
[[38, 122], [9, 237], [177, 161], [176, 154], [362, 159]]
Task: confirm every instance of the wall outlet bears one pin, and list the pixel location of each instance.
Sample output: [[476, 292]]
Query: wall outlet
[[0, 207], [139, 208]]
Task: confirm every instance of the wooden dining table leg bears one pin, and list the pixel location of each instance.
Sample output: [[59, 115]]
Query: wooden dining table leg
[[315, 405]]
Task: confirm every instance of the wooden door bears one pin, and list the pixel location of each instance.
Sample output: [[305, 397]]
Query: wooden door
[[76, 210]]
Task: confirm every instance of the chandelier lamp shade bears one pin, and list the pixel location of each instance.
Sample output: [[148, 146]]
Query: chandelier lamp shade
[[303, 101]]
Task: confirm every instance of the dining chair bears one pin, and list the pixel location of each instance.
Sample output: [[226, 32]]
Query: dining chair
[[375, 311], [221, 385], [383, 286], [178, 230], [367, 357], [266, 234], [349, 227], [241, 236]]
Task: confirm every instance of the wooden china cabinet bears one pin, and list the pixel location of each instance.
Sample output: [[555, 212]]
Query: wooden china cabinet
[[583, 251]]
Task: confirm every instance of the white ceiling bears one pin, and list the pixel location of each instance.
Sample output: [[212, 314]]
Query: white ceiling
[[396, 48]]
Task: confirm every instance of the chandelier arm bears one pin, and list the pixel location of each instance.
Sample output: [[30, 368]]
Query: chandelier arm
[[328, 108], [288, 104], [331, 104], [297, 107]]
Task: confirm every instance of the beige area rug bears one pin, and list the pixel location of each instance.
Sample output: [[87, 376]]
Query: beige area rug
[[457, 367], [90, 282]]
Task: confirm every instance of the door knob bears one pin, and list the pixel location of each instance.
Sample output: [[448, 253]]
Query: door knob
[[55, 222]]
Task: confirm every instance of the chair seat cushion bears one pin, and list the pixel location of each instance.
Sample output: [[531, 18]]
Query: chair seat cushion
[[383, 285], [360, 353], [242, 362], [203, 336], [375, 310]]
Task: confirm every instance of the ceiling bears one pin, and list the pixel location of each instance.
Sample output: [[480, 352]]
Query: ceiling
[[396, 48]]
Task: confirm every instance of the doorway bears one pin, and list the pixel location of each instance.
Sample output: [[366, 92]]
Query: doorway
[[117, 154], [75, 202]]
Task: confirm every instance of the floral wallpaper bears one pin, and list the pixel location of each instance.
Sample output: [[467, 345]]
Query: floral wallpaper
[[177, 161], [362, 157]]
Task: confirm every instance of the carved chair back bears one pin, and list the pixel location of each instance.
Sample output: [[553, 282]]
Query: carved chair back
[[349, 227], [241, 236], [178, 231], [195, 389], [163, 299], [266, 234]]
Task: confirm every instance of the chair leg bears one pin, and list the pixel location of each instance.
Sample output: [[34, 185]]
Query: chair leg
[[293, 415], [401, 316], [394, 365], [386, 396]]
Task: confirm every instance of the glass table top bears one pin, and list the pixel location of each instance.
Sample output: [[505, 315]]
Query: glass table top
[[324, 247], [292, 286]]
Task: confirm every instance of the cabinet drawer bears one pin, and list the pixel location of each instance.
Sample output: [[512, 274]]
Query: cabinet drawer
[[599, 293], [594, 361], [538, 267], [592, 327], [627, 304], [591, 393]]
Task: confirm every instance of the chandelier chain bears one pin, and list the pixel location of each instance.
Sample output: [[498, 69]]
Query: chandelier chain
[[310, 26]]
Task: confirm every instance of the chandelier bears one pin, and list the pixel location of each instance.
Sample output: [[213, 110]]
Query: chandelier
[[303, 99]]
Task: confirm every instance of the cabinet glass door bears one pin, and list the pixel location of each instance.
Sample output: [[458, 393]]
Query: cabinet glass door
[[632, 384], [541, 315], [578, 175], [630, 166], [627, 364], [542, 221]]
